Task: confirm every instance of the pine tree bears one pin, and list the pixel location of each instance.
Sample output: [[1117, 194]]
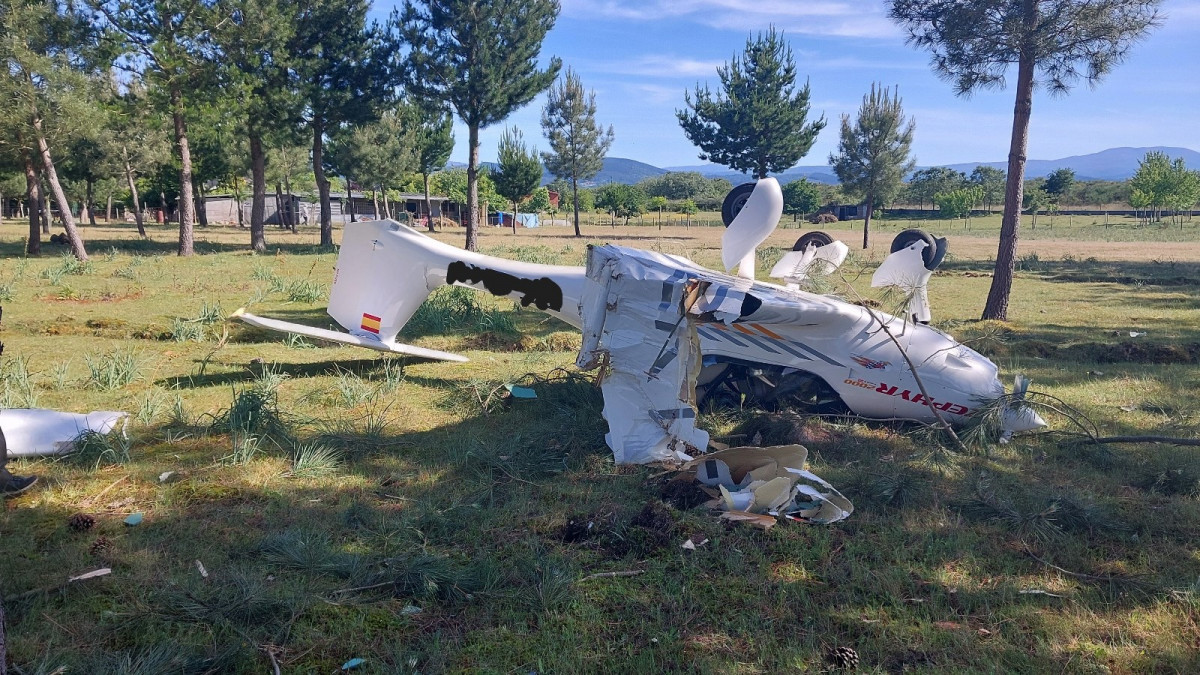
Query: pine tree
[[577, 143], [758, 123], [253, 65], [342, 74], [165, 42], [873, 154], [518, 170], [1055, 41], [434, 139], [479, 56], [48, 54]]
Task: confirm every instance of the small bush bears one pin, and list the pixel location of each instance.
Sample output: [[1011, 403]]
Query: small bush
[[304, 290]]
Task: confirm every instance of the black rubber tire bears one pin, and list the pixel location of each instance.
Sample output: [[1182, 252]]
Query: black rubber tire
[[734, 201], [907, 237], [818, 237]]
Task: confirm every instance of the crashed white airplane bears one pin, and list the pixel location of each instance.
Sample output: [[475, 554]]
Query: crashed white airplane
[[672, 331]]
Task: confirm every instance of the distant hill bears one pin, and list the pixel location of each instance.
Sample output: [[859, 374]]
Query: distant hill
[[616, 170], [1111, 164]]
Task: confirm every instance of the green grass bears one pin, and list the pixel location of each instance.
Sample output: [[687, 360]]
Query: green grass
[[349, 505]]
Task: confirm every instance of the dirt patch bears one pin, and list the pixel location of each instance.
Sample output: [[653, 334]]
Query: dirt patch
[[1136, 352], [683, 492], [786, 427], [503, 342]]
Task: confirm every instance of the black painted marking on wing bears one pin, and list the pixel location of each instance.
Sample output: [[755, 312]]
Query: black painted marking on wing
[[543, 293]]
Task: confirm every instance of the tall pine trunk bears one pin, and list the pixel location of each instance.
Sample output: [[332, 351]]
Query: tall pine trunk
[[33, 194], [279, 205], [44, 203], [428, 202], [137, 204], [56, 189], [375, 201], [291, 202], [90, 201], [575, 203], [186, 215], [201, 207], [387, 208], [108, 210], [318, 155], [867, 221], [350, 201], [473, 188], [1014, 193], [258, 193]]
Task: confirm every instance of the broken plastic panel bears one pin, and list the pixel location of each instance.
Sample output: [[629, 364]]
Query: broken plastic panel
[[771, 481], [34, 431]]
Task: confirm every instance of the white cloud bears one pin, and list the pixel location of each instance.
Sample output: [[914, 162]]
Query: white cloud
[[660, 65], [844, 19]]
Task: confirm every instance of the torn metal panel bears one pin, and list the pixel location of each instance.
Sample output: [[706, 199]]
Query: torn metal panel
[[634, 315], [771, 481]]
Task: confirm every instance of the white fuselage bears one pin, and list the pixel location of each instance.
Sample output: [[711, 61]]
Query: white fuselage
[[385, 271]]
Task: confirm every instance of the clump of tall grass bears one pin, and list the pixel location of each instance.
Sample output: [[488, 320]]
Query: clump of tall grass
[[452, 308], [315, 459], [95, 449], [303, 290], [112, 370], [19, 389]]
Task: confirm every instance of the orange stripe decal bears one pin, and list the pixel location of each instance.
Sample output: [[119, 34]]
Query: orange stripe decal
[[767, 332], [742, 328]]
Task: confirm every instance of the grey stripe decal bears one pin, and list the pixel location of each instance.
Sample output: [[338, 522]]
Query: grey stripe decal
[[708, 334], [679, 413], [668, 290], [818, 354], [664, 326], [761, 343], [728, 337], [784, 346], [663, 361]]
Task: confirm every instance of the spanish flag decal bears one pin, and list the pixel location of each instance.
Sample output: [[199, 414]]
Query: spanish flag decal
[[370, 323]]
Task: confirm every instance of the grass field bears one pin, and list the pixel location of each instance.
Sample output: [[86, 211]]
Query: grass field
[[348, 506]]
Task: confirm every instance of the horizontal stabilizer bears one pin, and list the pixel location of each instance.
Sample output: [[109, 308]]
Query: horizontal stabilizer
[[345, 338]]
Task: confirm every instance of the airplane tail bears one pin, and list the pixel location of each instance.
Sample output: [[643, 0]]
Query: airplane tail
[[382, 277], [386, 270]]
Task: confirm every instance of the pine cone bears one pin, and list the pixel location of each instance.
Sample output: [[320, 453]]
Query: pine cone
[[100, 546], [843, 658], [81, 522]]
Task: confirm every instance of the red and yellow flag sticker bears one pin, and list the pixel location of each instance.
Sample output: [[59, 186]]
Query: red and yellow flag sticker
[[370, 323]]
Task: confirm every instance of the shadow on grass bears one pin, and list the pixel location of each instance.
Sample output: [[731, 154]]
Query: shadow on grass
[[482, 506]]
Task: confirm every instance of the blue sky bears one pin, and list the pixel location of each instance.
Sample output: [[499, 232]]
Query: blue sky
[[640, 56]]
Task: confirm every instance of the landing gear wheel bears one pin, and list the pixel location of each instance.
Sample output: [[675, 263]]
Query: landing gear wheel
[[734, 201], [934, 252], [819, 238]]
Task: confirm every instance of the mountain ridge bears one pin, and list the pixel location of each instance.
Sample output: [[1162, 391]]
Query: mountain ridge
[[1110, 164]]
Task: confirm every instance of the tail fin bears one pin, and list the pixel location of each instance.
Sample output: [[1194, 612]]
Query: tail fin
[[381, 279]]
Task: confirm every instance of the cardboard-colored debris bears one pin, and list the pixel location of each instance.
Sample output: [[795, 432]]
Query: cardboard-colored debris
[[770, 481]]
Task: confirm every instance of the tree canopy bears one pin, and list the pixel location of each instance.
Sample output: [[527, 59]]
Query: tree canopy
[[874, 152], [481, 58], [758, 122], [578, 143]]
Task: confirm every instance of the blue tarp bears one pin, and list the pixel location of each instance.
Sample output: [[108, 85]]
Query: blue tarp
[[504, 219]]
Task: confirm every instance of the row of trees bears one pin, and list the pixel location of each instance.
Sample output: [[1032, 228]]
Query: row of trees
[[94, 90]]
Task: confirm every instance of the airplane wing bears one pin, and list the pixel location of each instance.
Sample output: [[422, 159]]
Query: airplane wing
[[345, 338]]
